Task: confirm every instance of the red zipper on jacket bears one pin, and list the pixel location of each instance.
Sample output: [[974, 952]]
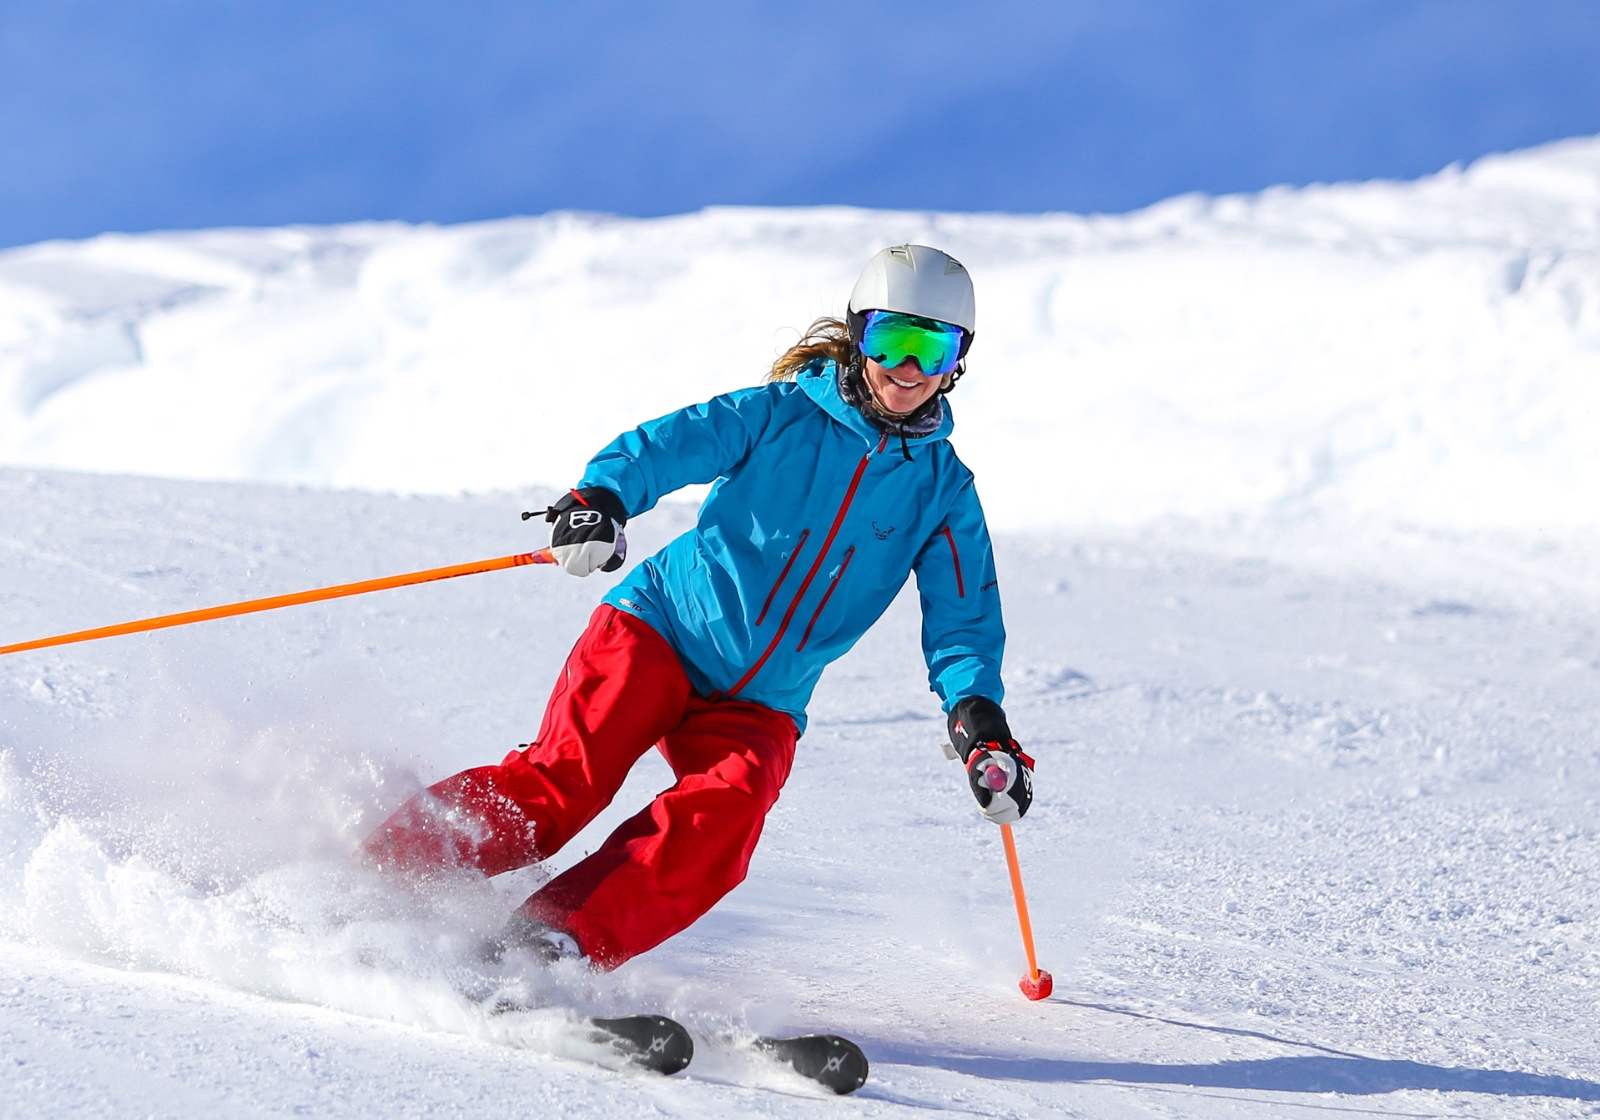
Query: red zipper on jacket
[[955, 557], [783, 575], [826, 595], [794, 605]]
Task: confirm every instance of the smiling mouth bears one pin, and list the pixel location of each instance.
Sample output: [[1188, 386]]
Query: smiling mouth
[[902, 384]]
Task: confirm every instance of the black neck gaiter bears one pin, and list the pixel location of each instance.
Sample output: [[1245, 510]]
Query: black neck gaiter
[[923, 422]]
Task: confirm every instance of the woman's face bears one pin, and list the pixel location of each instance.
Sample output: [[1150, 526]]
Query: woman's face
[[902, 389]]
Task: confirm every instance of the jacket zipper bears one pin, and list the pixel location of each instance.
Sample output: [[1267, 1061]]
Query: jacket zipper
[[794, 604], [826, 595], [783, 575], [955, 558]]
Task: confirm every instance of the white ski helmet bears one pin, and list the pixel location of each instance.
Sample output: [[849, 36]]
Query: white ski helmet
[[914, 280]]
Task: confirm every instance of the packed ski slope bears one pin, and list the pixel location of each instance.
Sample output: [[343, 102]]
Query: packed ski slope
[[1299, 832], [1297, 503]]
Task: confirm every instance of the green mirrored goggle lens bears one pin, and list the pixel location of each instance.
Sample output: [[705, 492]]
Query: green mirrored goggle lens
[[890, 337]]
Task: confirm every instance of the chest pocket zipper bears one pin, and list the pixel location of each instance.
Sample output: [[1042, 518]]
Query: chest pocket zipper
[[826, 595], [955, 558], [799, 546]]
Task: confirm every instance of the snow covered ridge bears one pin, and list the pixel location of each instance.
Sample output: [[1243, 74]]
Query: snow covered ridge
[[1417, 352]]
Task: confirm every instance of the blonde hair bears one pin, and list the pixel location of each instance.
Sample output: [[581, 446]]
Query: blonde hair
[[825, 338]]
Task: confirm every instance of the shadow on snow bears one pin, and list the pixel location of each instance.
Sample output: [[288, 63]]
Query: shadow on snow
[[1355, 1076], [1329, 1071]]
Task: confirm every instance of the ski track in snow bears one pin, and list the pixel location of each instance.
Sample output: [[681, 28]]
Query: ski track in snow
[[1315, 835]]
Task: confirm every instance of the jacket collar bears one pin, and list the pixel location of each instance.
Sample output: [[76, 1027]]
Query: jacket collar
[[821, 383]]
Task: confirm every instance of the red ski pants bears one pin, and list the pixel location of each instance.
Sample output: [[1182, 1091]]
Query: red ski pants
[[621, 691]]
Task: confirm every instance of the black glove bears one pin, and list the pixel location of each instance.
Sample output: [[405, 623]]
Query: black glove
[[586, 531], [1000, 774]]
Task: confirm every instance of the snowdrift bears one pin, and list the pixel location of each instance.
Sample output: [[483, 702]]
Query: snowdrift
[[1401, 352]]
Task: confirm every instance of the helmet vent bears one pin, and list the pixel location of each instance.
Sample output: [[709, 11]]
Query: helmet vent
[[915, 280]]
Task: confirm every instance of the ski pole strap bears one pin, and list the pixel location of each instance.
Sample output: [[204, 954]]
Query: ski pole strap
[[315, 595]]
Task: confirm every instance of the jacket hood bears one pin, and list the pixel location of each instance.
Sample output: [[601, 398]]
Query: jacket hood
[[820, 382]]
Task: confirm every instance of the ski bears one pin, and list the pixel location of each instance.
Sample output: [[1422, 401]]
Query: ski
[[833, 1062], [662, 1045], [652, 1042]]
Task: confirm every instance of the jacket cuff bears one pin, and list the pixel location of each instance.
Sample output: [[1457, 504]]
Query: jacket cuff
[[606, 501]]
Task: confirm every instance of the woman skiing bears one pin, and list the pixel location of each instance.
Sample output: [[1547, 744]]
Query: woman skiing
[[831, 483]]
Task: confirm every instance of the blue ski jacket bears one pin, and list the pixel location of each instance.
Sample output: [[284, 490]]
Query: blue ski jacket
[[814, 520]]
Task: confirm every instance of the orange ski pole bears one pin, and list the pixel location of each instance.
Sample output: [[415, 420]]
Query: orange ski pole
[[316, 595], [1036, 984]]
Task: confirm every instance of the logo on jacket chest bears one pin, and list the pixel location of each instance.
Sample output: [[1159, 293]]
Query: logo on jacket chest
[[882, 533]]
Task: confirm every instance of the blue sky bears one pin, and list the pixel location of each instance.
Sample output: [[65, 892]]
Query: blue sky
[[181, 113]]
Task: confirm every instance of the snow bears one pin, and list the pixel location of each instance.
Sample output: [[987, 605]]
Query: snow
[[1303, 637], [1415, 351]]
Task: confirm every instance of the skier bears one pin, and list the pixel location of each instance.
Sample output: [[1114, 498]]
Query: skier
[[832, 482]]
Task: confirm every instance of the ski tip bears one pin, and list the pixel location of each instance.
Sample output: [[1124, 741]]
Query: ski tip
[[833, 1062], [1039, 987], [654, 1042]]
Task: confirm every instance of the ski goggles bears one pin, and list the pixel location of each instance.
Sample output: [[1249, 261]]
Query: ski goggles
[[890, 337]]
